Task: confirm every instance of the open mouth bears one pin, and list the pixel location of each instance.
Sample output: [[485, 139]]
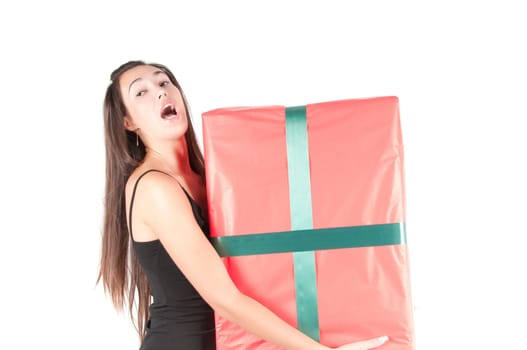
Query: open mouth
[[168, 111]]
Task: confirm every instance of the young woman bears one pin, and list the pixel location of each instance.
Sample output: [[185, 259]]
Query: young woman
[[155, 237]]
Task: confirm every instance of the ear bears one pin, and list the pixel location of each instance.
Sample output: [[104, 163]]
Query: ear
[[129, 123]]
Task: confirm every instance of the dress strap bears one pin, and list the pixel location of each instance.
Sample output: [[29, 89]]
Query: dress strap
[[133, 196]]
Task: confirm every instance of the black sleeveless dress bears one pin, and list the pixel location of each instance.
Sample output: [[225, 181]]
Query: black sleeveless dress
[[179, 317]]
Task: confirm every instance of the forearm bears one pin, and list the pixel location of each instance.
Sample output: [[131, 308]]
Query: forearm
[[260, 321]]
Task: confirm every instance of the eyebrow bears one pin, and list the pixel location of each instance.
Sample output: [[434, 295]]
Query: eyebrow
[[157, 72]]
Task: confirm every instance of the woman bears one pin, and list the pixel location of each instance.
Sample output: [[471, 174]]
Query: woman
[[155, 209]]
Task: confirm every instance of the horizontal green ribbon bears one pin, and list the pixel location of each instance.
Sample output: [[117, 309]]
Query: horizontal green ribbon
[[310, 240]]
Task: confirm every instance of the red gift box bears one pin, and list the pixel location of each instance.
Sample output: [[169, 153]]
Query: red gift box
[[306, 204]]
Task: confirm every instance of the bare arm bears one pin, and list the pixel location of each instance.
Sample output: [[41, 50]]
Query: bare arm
[[166, 210]]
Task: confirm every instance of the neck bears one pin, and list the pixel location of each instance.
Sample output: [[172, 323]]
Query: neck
[[172, 158]]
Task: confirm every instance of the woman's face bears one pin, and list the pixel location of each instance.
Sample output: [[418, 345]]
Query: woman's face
[[155, 107]]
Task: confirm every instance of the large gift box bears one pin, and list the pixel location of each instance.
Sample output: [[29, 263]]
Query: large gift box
[[307, 207]]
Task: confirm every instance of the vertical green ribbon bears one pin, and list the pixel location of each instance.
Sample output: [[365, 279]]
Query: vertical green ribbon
[[301, 219]]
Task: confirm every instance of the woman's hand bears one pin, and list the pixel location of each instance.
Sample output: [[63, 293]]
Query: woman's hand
[[364, 344]]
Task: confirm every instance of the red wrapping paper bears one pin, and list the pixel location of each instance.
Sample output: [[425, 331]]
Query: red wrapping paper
[[357, 178]]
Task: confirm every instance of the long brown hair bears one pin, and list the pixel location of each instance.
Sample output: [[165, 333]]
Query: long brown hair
[[122, 276]]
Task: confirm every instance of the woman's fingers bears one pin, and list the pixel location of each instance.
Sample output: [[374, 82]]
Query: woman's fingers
[[372, 343], [365, 344]]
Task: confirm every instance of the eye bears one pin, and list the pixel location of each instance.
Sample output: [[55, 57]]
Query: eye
[[141, 93], [164, 83]]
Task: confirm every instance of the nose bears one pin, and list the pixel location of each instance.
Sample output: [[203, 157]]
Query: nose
[[162, 93]]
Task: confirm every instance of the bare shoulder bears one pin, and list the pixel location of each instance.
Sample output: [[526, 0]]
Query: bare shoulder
[[153, 185], [159, 204]]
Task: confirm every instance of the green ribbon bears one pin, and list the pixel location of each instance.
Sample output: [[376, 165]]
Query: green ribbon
[[301, 219], [310, 240]]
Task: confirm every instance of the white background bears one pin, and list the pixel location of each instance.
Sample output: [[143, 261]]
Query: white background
[[458, 67]]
